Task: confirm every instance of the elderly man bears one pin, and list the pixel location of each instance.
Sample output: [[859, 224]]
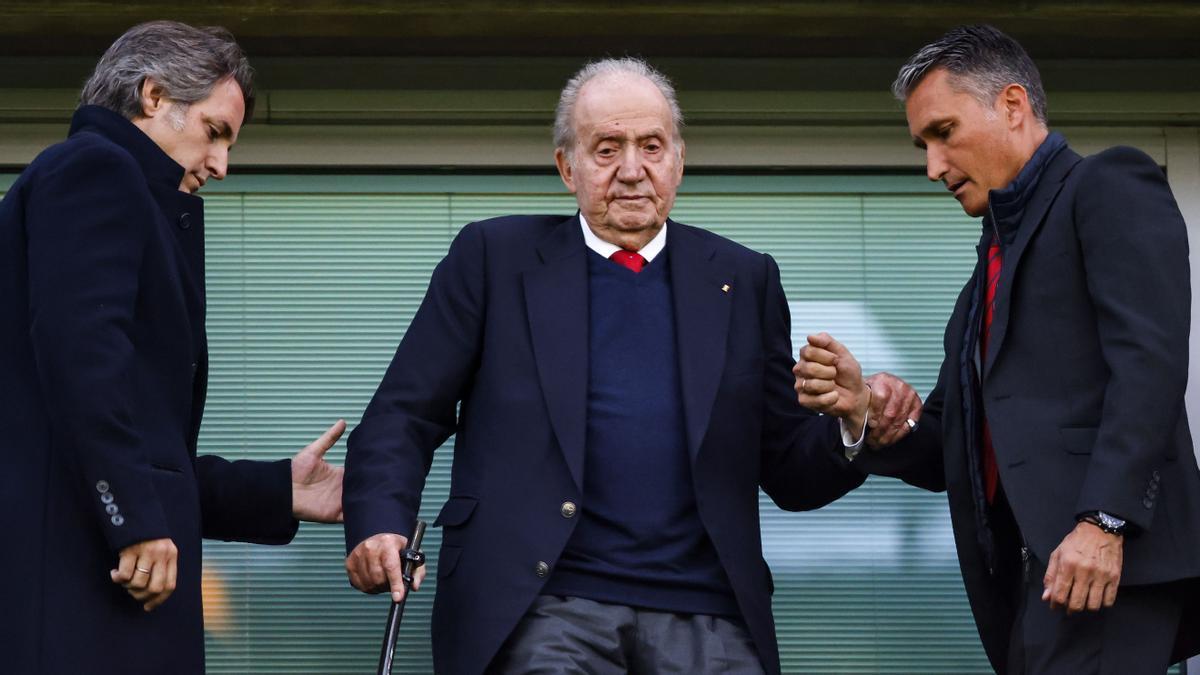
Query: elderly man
[[625, 390], [1057, 425], [105, 364]]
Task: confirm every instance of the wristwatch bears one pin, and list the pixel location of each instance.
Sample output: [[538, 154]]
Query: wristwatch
[[1107, 522]]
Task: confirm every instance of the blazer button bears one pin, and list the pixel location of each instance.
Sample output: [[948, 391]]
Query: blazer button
[[111, 509], [106, 498], [185, 221], [102, 486], [118, 520], [568, 510], [1148, 503], [541, 569]]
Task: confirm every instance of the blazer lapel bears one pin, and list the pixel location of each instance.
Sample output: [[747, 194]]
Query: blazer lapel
[[1031, 221], [702, 310], [556, 305]]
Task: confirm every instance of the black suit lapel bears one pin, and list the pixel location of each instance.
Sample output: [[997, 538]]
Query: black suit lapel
[[702, 292], [1031, 221], [556, 304]]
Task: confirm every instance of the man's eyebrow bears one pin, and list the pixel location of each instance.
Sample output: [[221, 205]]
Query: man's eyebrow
[[930, 128], [223, 128], [607, 136], [611, 135]]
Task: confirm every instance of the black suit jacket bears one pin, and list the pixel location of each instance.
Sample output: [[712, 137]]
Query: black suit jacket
[[104, 363], [1084, 381], [504, 329]]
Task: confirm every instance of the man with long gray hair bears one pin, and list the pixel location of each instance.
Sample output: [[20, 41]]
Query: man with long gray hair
[[1057, 424], [625, 389], [105, 366]]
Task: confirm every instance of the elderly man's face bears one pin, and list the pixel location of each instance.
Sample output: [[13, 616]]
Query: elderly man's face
[[626, 163], [968, 146], [200, 137]]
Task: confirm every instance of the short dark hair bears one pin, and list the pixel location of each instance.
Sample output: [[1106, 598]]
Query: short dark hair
[[186, 61], [981, 60]]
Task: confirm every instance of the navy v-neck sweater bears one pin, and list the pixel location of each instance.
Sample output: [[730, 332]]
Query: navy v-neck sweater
[[639, 541]]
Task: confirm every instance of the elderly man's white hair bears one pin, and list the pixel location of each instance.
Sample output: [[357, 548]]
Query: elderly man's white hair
[[564, 115]]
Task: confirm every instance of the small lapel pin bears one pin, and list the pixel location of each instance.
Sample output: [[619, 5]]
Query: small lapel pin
[[725, 288]]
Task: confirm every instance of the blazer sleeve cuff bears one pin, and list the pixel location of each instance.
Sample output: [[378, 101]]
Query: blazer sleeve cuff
[[1133, 500], [246, 500]]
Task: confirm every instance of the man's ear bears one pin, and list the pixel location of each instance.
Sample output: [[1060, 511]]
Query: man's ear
[[1017, 109], [153, 98], [565, 170], [679, 169]]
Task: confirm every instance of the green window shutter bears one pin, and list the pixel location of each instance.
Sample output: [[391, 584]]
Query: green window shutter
[[869, 584], [312, 281], [308, 295]]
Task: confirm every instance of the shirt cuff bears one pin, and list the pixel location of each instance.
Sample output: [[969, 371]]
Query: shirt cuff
[[850, 447]]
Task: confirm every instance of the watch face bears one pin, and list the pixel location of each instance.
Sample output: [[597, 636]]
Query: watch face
[[1111, 522]]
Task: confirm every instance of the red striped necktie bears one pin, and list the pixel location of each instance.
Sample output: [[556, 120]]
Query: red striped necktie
[[991, 475]]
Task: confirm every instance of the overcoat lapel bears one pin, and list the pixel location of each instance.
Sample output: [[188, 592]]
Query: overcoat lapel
[[702, 291], [184, 215], [556, 305], [1031, 221], [184, 218]]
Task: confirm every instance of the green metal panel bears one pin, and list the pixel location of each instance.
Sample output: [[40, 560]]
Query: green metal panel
[[869, 584], [550, 184], [313, 279], [308, 296]]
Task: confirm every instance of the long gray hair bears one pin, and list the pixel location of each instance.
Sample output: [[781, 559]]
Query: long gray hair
[[187, 62]]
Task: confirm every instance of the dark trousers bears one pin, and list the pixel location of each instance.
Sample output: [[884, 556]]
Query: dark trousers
[[575, 635], [1133, 637]]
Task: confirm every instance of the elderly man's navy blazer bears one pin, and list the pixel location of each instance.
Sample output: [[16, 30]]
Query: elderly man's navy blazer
[[104, 366], [503, 329]]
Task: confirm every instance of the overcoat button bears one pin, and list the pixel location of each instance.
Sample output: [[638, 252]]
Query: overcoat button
[[185, 221], [568, 510], [541, 569]]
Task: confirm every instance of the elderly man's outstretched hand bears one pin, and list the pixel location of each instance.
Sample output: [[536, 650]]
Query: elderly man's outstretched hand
[[829, 380]]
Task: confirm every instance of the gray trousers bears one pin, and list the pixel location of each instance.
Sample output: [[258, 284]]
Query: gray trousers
[[575, 635]]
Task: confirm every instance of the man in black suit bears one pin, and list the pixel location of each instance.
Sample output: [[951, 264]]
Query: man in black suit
[[1057, 425], [625, 390], [104, 362]]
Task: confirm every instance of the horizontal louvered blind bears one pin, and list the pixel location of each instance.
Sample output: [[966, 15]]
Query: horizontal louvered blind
[[313, 279], [869, 584]]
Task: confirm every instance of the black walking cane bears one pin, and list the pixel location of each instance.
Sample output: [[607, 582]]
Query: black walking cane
[[411, 559]]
